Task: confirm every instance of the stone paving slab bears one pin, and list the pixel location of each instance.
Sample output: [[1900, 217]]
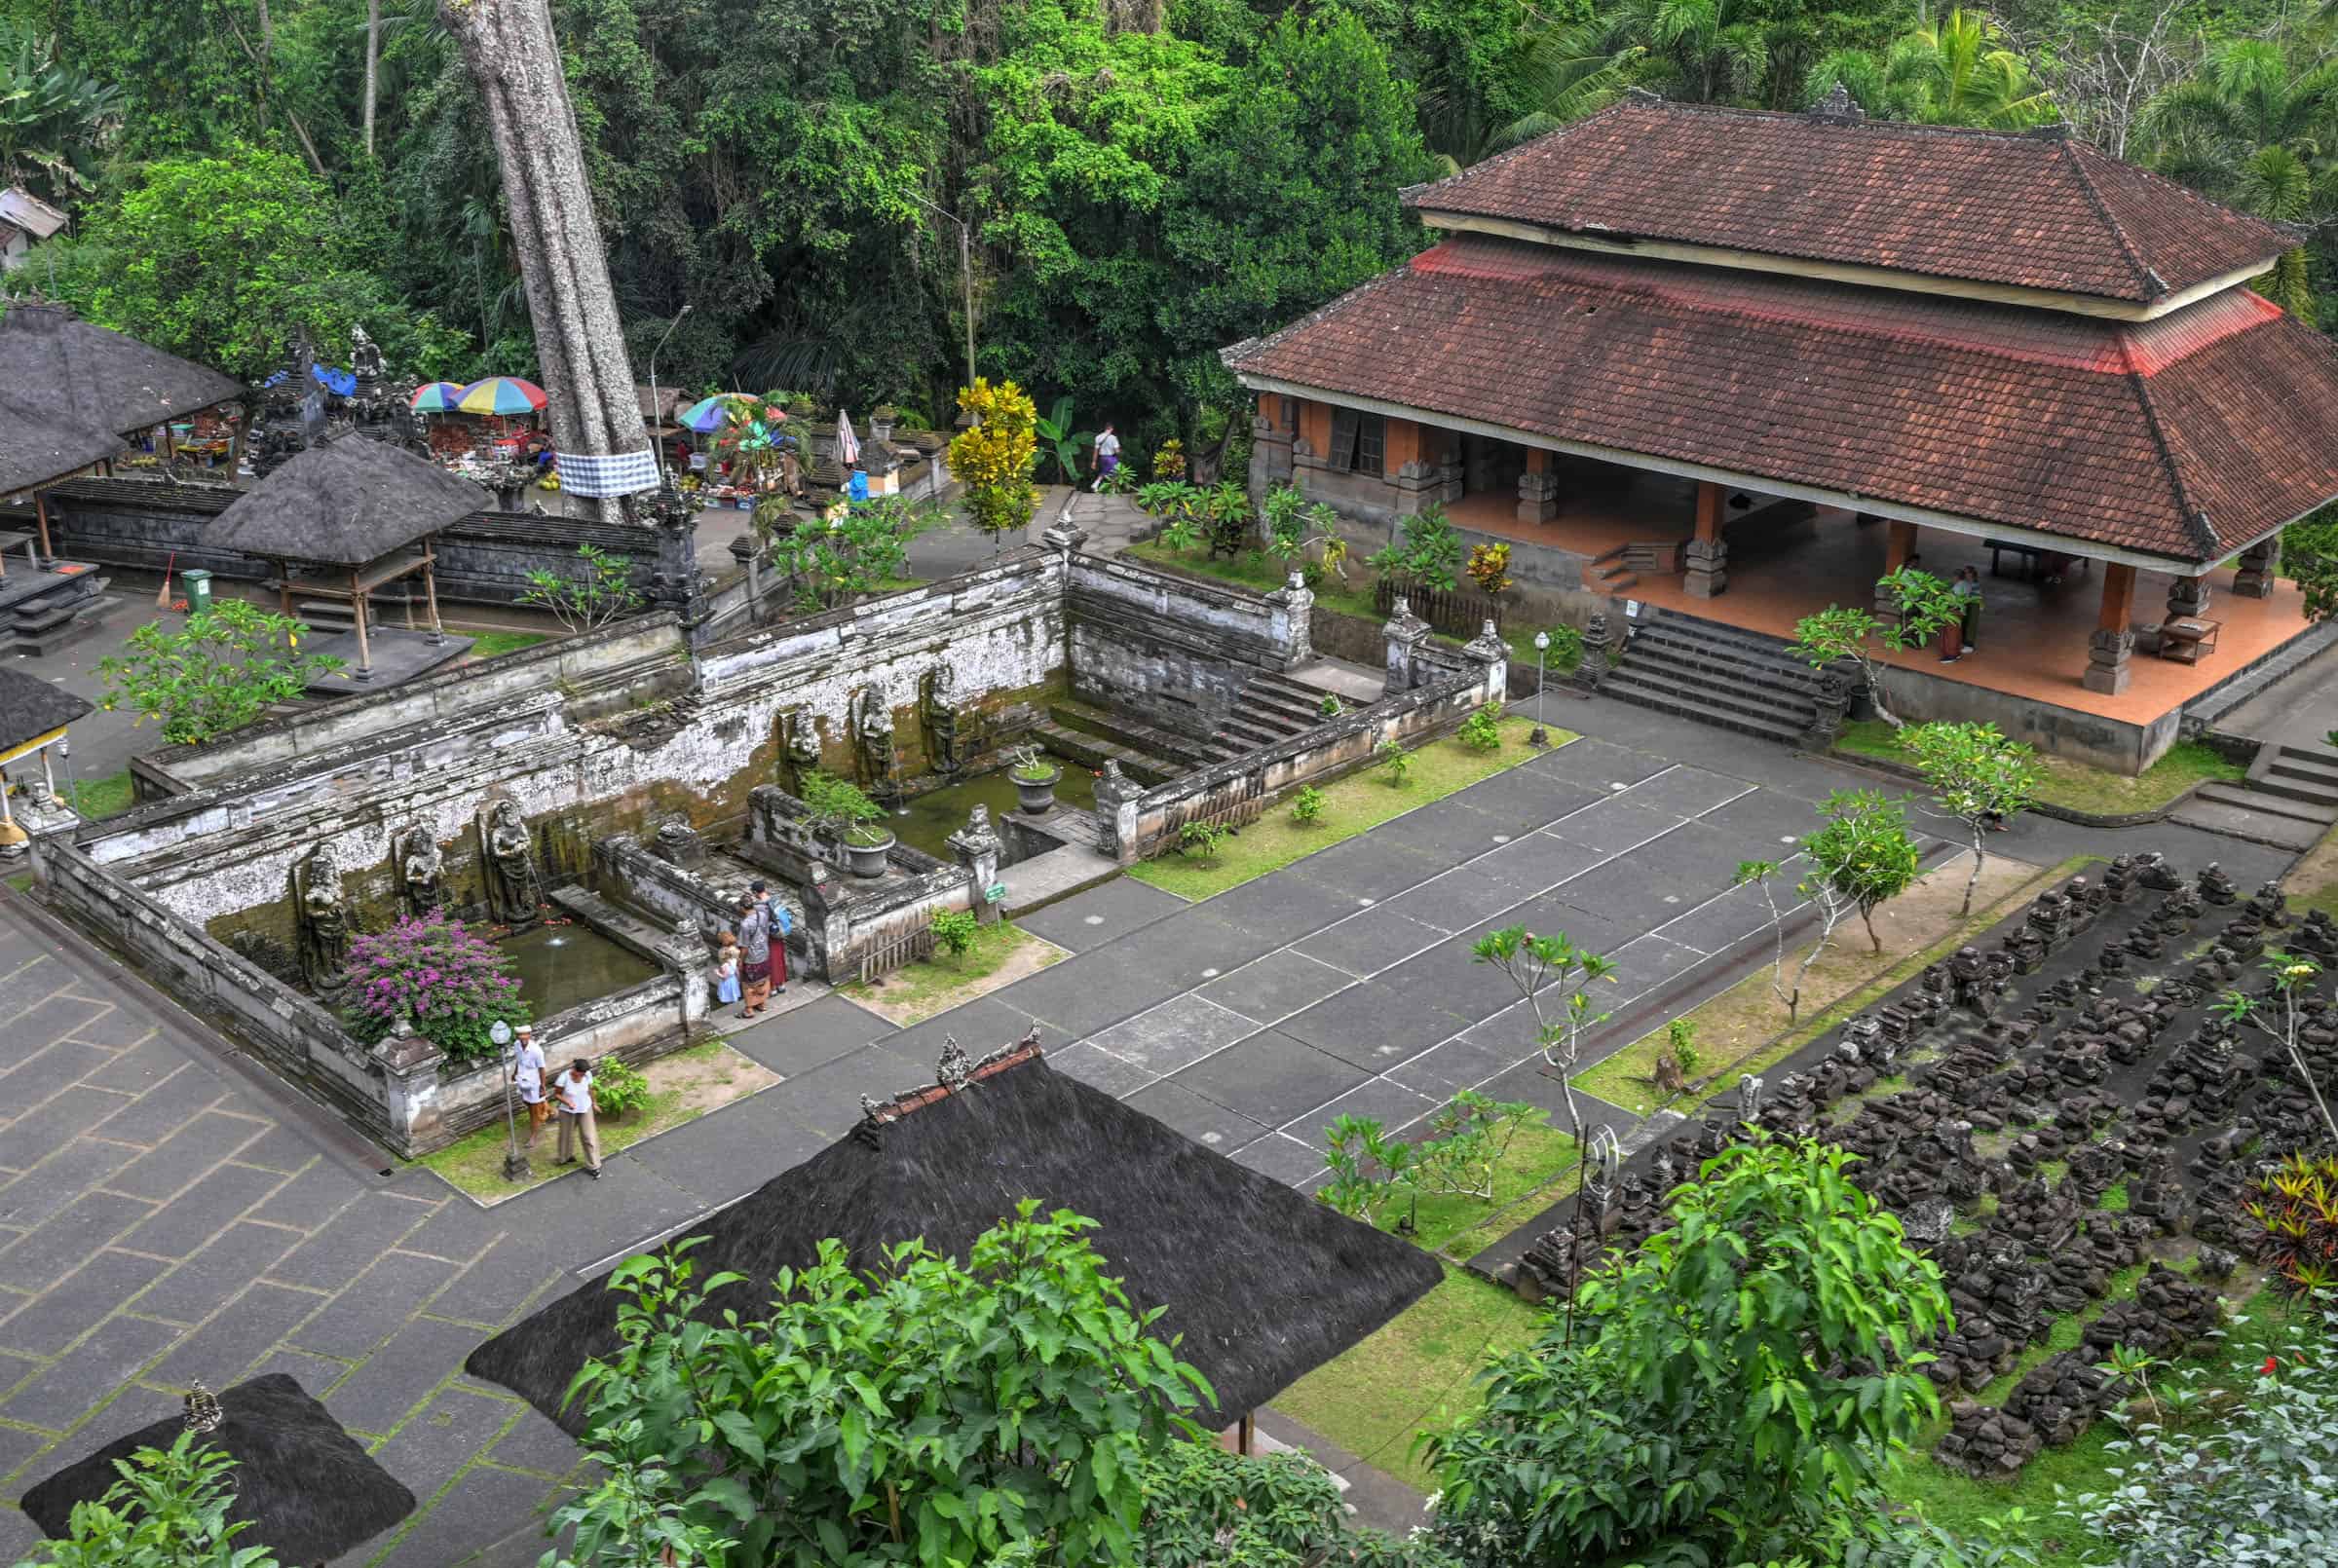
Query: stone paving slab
[[1090, 920], [1274, 988]]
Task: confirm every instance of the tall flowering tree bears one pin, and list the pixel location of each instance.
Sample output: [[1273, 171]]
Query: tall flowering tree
[[432, 969], [994, 458]]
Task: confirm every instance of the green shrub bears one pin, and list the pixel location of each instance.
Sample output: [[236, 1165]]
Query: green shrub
[[955, 930], [167, 1511], [1681, 1038], [1482, 730], [617, 1087], [1202, 840], [1395, 763], [1308, 804], [1329, 707]]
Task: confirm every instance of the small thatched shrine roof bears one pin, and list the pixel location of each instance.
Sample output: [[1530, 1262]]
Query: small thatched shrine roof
[[343, 503], [1262, 1282], [308, 1492], [115, 384], [40, 443], [30, 707]]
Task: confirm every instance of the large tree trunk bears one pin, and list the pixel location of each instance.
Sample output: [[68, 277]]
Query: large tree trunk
[[373, 65], [588, 377]]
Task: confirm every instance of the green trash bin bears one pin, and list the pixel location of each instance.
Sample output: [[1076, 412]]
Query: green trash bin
[[199, 590]]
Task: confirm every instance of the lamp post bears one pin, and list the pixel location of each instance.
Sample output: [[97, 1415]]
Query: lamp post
[[965, 272], [516, 1158], [658, 442], [1539, 736]]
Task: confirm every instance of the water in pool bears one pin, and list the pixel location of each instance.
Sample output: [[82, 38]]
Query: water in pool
[[927, 822], [560, 966]]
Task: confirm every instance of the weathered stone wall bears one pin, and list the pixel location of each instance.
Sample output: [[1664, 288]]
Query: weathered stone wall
[[1175, 651]]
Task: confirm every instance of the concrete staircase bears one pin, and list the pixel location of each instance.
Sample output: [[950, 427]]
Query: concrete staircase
[[1091, 737], [1270, 708], [2289, 800], [1721, 675]]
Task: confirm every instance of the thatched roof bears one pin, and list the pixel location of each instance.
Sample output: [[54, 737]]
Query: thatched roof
[[39, 443], [343, 503], [116, 384], [1262, 1282], [30, 706], [308, 1492]]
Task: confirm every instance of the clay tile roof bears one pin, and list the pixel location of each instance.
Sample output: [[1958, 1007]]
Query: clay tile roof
[[51, 358], [2184, 437], [1262, 1282], [2030, 210]]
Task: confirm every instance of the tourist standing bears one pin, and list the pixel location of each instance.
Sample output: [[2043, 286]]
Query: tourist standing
[[755, 951], [575, 1089], [527, 1076], [1966, 591], [726, 971], [1104, 460]]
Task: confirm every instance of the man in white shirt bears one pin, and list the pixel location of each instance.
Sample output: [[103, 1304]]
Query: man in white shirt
[[574, 1089], [1106, 458], [527, 1076]]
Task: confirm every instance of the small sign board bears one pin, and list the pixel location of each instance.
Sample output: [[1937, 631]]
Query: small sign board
[[1630, 608], [996, 893]]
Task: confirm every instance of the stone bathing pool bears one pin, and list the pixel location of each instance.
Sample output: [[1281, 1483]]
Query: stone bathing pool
[[565, 966], [926, 821]]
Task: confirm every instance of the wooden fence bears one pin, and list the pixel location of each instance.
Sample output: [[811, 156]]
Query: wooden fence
[[897, 953], [1449, 610]]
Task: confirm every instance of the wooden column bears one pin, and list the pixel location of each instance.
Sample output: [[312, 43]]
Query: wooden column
[[2112, 643], [357, 609], [430, 585], [1708, 571], [40, 522], [1898, 544], [1537, 489]]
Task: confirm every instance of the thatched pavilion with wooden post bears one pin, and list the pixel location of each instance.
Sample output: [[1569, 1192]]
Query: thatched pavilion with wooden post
[[308, 1491], [344, 519], [1259, 1282]]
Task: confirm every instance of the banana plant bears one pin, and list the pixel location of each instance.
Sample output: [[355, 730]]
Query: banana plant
[[1060, 442]]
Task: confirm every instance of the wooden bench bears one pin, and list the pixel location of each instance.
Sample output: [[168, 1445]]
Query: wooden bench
[[2187, 637]]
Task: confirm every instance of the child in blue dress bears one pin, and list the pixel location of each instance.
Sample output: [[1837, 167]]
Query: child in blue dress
[[726, 969]]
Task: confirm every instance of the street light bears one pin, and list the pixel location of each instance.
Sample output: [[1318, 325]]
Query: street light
[[1539, 736], [516, 1158], [656, 441], [965, 270]]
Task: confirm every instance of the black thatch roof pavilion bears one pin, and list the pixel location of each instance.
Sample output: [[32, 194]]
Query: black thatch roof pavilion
[[39, 443], [363, 507], [1262, 1282], [30, 708], [308, 1491], [103, 379]]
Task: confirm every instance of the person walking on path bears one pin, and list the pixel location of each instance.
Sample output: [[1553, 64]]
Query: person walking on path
[[527, 1076], [575, 1089], [755, 951], [1105, 458]]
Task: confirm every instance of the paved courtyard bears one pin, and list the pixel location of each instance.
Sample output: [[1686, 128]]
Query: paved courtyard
[[168, 1215]]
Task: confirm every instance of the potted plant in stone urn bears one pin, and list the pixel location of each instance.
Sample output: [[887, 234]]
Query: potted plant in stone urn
[[1035, 779], [852, 818]]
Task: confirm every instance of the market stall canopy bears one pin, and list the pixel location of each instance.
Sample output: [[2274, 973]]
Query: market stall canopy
[[98, 379], [307, 1489], [344, 503], [1262, 1282], [38, 444], [437, 397], [501, 394], [657, 404], [710, 414], [30, 708]]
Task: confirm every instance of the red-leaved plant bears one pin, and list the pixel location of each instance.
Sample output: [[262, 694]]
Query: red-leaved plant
[[433, 970]]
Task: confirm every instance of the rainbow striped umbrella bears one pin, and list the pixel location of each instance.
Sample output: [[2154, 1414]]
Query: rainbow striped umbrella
[[710, 414], [438, 397], [501, 394]]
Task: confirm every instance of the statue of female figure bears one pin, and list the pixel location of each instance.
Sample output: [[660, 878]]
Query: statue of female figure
[[421, 869], [872, 728], [323, 921], [515, 895]]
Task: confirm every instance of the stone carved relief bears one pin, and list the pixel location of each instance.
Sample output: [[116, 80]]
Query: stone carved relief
[[873, 744], [322, 922], [420, 872], [937, 716], [508, 856], [799, 750]]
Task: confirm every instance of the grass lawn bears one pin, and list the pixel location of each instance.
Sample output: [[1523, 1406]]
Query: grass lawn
[[1416, 1374], [1526, 1181], [686, 1084], [2074, 786], [1746, 1028], [496, 644], [1002, 953], [106, 797], [1362, 800], [2312, 882]]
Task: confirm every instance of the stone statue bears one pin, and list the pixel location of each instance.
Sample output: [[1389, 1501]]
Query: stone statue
[[514, 893], [1748, 1098], [678, 843], [939, 720], [873, 742], [323, 921], [799, 750], [364, 358], [421, 869]]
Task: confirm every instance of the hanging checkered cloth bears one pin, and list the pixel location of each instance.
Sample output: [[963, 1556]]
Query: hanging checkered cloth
[[848, 449], [609, 473]]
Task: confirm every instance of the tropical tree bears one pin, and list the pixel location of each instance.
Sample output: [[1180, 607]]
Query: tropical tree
[[54, 119], [1864, 853], [1954, 72], [1701, 51], [2254, 127], [993, 457], [1922, 608], [1748, 1374], [1977, 776], [167, 1511], [930, 1410], [592, 590], [217, 672], [1062, 444], [853, 551]]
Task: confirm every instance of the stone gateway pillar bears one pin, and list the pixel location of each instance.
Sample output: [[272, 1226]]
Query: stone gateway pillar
[[1707, 574], [2260, 565], [2113, 642]]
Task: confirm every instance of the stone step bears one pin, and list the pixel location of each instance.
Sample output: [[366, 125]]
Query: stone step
[[1165, 746], [1276, 694], [1625, 688], [1247, 734], [1091, 750], [1790, 682], [325, 616], [2288, 786], [2252, 796], [1726, 694], [2247, 822], [1726, 643]]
